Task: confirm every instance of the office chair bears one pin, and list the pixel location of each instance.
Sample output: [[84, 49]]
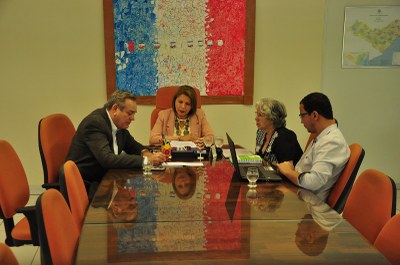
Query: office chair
[[371, 203], [7, 257], [338, 196], [310, 139], [58, 232], [55, 134], [313, 135], [164, 98], [14, 195], [73, 189], [387, 241]]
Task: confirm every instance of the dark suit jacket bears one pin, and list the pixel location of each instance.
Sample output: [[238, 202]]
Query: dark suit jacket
[[92, 147]]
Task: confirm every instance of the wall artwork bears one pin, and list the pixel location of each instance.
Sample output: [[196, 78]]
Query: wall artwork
[[207, 44]]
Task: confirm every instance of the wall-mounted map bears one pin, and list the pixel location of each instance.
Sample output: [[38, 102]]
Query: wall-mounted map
[[371, 37]]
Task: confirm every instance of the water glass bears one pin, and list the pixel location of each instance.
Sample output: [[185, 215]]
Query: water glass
[[208, 140], [147, 166], [252, 176], [219, 141]]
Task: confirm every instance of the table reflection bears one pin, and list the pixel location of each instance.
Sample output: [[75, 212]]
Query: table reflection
[[314, 228], [193, 215]]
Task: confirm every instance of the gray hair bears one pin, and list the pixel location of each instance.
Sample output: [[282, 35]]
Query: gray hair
[[119, 97], [273, 110]]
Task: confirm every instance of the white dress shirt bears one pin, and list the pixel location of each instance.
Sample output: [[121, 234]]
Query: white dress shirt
[[114, 130], [323, 161]]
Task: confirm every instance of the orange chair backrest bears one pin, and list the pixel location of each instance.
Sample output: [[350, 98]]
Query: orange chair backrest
[[164, 98], [310, 138], [55, 135], [58, 233], [7, 257], [371, 203], [77, 196], [387, 241], [14, 188], [339, 193]]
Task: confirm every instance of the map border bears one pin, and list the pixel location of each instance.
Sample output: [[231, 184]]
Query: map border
[[346, 24]]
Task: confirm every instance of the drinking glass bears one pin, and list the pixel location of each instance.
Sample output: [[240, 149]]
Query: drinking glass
[[252, 196], [208, 140], [147, 166], [200, 146], [252, 176], [219, 141]]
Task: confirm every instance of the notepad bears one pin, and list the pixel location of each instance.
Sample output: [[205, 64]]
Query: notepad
[[252, 159]]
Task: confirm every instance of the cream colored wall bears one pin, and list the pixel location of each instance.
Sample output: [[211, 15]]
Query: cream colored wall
[[52, 60]]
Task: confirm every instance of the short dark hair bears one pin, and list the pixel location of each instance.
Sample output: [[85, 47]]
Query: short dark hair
[[318, 102], [189, 92], [119, 97]]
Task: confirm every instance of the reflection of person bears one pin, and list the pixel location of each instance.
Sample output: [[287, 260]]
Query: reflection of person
[[184, 121], [269, 200], [313, 230], [102, 140], [274, 142], [183, 180], [311, 239], [324, 159], [119, 201]]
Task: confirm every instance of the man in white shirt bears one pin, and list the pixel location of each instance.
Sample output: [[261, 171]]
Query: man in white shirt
[[324, 159]]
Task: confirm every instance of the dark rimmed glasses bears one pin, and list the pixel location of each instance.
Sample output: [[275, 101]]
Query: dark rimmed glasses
[[301, 115]]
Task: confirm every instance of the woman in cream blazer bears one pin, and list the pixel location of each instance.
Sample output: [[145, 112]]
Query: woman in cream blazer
[[184, 121]]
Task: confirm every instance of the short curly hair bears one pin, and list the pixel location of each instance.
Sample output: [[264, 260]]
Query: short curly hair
[[273, 110]]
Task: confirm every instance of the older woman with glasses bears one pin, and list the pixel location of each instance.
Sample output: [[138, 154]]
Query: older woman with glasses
[[274, 142]]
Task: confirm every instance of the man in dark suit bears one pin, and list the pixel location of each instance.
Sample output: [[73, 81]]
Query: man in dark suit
[[103, 142]]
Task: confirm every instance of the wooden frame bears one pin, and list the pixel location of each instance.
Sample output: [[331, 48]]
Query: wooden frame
[[246, 98]]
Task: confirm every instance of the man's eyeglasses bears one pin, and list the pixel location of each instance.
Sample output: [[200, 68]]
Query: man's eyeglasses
[[301, 115]]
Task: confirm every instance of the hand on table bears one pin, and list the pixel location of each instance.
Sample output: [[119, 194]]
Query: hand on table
[[187, 137], [157, 158]]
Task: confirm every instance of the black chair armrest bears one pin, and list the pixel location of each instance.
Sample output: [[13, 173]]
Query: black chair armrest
[[51, 186], [30, 214]]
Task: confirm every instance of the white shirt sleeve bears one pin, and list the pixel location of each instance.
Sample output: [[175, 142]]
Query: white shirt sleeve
[[323, 162]]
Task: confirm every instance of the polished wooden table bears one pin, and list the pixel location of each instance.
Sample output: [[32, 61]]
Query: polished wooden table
[[205, 215]]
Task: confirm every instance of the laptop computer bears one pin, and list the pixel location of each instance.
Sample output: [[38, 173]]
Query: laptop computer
[[241, 169]]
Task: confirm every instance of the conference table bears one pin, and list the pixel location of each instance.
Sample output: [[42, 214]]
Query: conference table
[[207, 215]]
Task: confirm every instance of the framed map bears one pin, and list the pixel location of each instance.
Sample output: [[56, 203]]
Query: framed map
[[371, 37], [207, 44]]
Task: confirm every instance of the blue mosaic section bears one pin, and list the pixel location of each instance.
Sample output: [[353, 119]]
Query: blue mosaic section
[[135, 46]]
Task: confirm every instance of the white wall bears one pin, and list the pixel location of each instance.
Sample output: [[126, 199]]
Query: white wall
[[366, 101], [52, 60]]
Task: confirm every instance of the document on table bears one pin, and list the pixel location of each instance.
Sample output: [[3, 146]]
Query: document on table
[[182, 164], [182, 144]]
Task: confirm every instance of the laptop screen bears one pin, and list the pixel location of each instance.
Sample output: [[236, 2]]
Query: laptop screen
[[233, 154]]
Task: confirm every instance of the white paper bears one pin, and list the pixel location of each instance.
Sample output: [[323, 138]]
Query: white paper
[[182, 164], [179, 144]]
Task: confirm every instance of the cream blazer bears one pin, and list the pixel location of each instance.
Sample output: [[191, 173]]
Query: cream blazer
[[165, 124]]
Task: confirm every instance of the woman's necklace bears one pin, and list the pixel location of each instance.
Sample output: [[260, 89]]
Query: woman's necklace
[[181, 126]]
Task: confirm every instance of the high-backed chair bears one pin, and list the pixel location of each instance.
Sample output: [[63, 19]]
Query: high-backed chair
[[58, 233], [371, 203], [7, 257], [313, 135], [387, 241], [55, 135], [339, 193], [310, 138], [164, 98], [73, 189], [14, 196]]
